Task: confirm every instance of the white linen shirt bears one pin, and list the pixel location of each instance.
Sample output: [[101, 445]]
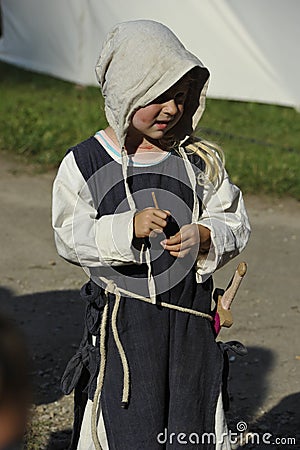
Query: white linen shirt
[[83, 239]]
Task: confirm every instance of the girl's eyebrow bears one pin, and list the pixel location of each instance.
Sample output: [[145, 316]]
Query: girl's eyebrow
[[165, 96], [177, 88]]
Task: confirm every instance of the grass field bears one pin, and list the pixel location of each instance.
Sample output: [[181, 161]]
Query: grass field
[[43, 116]]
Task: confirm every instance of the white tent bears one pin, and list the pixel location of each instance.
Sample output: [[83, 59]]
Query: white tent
[[251, 48]]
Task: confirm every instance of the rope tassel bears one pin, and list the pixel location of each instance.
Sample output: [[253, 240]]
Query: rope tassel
[[100, 380], [125, 396], [111, 287]]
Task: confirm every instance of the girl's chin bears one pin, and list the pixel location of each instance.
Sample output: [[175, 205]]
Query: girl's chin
[[156, 134]]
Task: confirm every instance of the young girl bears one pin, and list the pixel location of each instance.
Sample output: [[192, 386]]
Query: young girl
[[149, 212]]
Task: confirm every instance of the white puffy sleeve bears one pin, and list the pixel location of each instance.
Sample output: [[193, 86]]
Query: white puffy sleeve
[[224, 214], [80, 237]]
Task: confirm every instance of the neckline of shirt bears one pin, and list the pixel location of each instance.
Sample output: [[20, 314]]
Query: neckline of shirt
[[115, 154]]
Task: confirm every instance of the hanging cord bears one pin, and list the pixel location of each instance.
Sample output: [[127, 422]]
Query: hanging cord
[[110, 287], [151, 282], [130, 200], [126, 376], [100, 380]]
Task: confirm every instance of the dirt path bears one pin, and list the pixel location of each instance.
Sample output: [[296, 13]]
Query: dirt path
[[41, 291]]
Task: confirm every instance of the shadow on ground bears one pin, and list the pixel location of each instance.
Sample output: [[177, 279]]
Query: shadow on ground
[[248, 388], [59, 440], [52, 323], [247, 383], [277, 429]]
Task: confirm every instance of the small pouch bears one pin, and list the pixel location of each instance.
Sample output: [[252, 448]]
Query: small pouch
[[94, 296]]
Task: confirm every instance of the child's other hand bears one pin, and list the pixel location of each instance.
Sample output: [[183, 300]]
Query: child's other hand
[[191, 237], [149, 220]]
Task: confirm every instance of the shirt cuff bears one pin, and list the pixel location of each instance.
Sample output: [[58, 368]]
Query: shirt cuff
[[114, 235], [222, 241]]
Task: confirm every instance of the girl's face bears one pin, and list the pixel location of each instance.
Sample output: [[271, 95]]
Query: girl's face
[[157, 118]]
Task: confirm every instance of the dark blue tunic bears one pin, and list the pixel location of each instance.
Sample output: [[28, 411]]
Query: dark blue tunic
[[175, 364]]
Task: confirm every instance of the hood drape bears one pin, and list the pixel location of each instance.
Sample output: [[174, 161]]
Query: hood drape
[[139, 61]]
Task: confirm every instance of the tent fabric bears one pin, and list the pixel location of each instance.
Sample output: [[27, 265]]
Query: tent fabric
[[250, 48]]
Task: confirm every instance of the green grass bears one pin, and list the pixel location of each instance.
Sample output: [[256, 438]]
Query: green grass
[[261, 144], [42, 117]]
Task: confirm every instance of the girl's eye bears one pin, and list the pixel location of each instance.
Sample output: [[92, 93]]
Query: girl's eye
[[180, 97], [161, 99]]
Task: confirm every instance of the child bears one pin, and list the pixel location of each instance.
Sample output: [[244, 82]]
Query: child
[[149, 212]]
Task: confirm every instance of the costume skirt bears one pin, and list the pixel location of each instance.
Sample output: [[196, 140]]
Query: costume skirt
[[175, 374]]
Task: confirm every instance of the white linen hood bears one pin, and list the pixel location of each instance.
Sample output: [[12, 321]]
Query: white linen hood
[[139, 61]]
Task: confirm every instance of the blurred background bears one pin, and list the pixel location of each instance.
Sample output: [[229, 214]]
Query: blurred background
[[250, 48], [49, 101]]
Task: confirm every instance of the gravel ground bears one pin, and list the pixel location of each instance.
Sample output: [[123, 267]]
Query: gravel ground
[[41, 292]]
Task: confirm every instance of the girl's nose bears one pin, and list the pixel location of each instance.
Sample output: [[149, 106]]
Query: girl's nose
[[170, 107]]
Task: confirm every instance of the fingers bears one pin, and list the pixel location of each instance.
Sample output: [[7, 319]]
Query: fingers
[[157, 210], [163, 214], [173, 240], [188, 236], [179, 250], [149, 220], [152, 221], [182, 242], [182, 246], [181, 254], [157, 219]]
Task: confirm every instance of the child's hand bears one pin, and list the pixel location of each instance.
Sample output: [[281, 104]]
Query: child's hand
[[149, 220], [191, 237]]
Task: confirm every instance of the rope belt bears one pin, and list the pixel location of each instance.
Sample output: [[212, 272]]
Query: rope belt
[[111, 287]]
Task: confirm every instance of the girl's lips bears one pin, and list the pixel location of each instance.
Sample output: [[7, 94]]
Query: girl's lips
[[161, 125]]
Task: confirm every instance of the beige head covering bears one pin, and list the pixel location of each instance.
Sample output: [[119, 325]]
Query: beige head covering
[[139, 61]]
